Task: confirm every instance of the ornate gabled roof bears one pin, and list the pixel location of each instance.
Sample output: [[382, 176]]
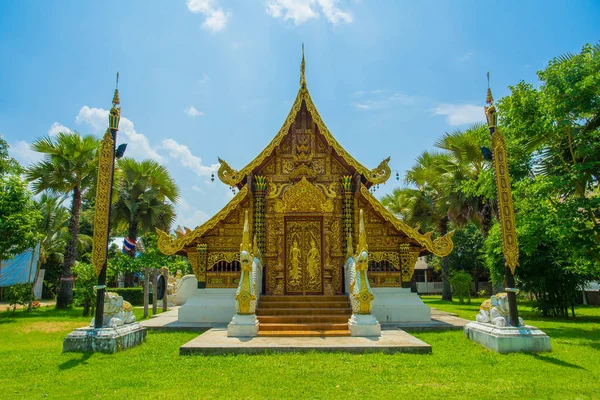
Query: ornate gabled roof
[[441, 246], [374, 176], [171, 245]]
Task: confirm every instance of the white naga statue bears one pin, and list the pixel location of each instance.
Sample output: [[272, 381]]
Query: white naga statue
[[495, 311], [116, 311]]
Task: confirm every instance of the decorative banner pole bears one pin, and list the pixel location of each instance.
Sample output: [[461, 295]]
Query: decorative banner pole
[[106, 171], [510, 248]]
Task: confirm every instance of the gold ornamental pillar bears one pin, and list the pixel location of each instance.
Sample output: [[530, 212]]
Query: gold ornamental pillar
[[510, 247], [104, 185]]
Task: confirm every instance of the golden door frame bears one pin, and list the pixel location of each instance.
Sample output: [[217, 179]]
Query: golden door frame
[[288, 237]]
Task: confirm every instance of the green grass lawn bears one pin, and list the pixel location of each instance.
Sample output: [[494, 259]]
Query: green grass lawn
[[32, 365]]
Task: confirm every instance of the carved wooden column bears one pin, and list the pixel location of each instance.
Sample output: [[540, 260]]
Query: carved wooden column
[[408, 258], [260, 189], [347, 211], [197, 258]]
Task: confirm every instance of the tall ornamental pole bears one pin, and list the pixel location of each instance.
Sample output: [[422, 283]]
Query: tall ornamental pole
[[106, 171], [506, 217]]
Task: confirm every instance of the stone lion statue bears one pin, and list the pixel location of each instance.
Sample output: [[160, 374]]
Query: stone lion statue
[[495, 311], [116, 311]]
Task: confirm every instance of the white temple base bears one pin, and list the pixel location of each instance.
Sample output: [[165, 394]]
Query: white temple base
[[364, 325], [209, 306], [399, 305], [508, 339], [243, 326]]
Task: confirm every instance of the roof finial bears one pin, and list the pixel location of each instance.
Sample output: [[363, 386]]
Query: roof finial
[[302, 67], [116, 95], [489, 99]]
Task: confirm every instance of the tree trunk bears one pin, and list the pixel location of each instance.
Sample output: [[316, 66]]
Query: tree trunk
[[487, 219], [446, 289], [65, 293], [131, 234]]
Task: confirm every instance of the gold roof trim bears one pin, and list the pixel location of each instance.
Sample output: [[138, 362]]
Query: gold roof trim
[[442, 246], [171, 245], [232, 177]]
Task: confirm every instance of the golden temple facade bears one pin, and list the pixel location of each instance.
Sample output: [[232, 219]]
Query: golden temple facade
[[303, 194]]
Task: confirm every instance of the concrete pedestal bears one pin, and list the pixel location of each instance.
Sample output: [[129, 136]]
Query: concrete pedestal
[[243, 326], [364, 325], [508, 339], [209, 306], [399, 305], [104, 340]]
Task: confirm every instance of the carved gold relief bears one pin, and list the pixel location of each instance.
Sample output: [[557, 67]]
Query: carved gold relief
[[303, 256], [390, 256], [106, 160], [304, 197], [229, 175], [227, 256]]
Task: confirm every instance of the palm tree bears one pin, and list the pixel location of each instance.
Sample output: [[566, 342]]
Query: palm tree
[[54, 227], [68, 168], [467, 176], [145, 197]]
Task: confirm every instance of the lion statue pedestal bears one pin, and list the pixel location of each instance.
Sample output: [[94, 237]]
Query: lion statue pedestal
[[117, 312], [495, 311], [119, 330], [494, 331]]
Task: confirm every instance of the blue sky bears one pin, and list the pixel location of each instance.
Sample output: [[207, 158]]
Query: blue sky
[[204, 79]]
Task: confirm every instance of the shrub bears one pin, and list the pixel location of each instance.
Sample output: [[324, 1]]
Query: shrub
[[461, 282], [19, 295], [85, 295], [133, 295]]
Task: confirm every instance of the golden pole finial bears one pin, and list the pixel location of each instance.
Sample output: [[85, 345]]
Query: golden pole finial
[[116, 100], [302, 69], [489, 99]]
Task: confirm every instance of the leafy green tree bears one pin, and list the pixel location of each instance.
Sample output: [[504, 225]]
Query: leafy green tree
[[19, 216], [468, 253], [461, 281], [68, 168]]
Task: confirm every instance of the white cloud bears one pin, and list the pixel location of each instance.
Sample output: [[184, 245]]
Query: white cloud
[[465, 58], [187, 159], [204, 79], [138, 145], [381, 98], [216, 18], [301, 11], [334, 14], [192, 112], [58, 128], [460, 114], [197, 189], [189, 216], [21, 151]]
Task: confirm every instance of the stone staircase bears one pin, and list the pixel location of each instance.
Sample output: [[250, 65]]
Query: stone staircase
[[304, 315]]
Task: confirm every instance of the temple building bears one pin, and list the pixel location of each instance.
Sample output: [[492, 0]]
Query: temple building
[[303, 194]]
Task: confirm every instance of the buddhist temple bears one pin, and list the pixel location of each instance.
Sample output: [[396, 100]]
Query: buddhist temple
[[303, 195]]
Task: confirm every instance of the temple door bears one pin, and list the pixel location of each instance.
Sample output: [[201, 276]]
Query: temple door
[[304, 255]]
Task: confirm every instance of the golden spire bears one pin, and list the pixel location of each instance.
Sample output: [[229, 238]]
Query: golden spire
[[302, 68], [246, 243], [490, 111], [114, 117], [489, 99], [116, 100], [362, 235]]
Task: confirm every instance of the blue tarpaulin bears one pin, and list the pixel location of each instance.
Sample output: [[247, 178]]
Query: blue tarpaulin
[[21, 269]]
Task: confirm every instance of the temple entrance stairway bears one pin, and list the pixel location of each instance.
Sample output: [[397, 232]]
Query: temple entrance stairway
[[303, 315]]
